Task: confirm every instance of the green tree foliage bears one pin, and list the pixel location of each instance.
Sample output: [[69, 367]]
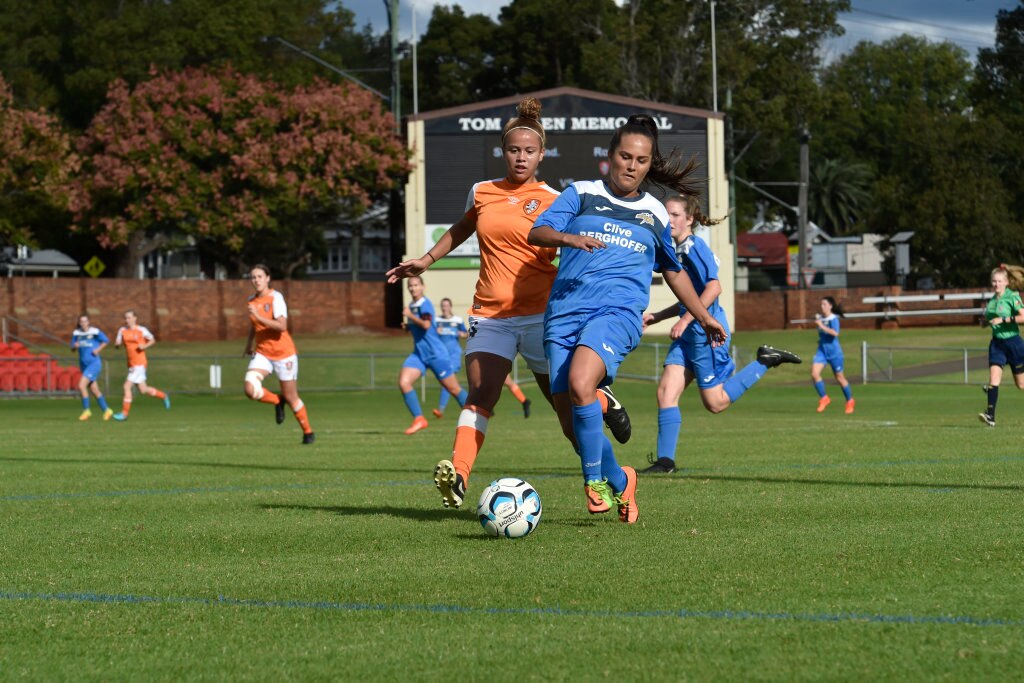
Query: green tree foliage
[[838, 194], [454, 58], [248, 169]]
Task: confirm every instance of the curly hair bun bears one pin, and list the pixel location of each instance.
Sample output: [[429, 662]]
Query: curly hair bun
[[529, 108]]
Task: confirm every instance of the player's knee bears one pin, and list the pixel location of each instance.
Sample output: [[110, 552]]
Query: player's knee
[[254, 385]]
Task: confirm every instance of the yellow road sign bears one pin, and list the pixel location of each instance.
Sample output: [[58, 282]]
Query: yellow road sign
[[94, 267]]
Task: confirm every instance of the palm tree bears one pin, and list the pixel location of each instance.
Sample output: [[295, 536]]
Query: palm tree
[[837, 195]]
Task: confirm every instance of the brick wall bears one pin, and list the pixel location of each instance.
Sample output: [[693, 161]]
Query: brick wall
[[186, 310]]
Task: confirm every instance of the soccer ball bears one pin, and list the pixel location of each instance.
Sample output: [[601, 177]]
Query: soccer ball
[[509, 507]]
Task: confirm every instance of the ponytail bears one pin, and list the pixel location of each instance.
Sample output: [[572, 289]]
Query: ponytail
[[836, 308]]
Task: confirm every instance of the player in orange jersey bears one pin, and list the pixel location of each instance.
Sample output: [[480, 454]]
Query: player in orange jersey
[[136, 339], [273, 350], [511, 294]]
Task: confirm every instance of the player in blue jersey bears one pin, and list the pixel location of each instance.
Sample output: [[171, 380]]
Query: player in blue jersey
[[452, 328], [1004, 313], [829, 351], [612, 234], [89, 341], [691, 356], [428, 351]]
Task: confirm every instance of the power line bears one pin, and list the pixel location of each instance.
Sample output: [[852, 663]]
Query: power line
[[888, 27], [955, 29]]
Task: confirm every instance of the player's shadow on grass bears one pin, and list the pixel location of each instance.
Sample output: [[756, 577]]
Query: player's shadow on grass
[[433, 515], [872, 484], [227, 465]]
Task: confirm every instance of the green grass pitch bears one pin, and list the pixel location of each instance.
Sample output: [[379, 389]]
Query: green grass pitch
[[207, 543]]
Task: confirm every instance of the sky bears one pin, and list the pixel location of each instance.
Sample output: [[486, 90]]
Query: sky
[[968, 23]]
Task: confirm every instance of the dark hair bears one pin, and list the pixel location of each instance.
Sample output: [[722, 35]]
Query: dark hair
[[692, 206], [836, 308], [417, 277], [448, 300], [669, 172], [527, 116], [260, 266]]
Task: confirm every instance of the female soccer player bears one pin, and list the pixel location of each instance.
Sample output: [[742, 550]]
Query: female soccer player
[[428, 351], [691, 356], [273, 350], [612, 234], [452, 329], [1003, 314], [829, 351], [508, 305], [89, 341], [136, 340]]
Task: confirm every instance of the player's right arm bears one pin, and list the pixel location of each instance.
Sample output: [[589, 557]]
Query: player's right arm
[[248, 343], [119, 339], [550, 228]]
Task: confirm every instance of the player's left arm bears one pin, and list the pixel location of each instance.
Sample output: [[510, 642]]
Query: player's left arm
[[104, 340], [679, 282], [148, 340]]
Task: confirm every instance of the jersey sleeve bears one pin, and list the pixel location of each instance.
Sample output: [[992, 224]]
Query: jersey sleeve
[[102, 337], [471, 203], [462, 325], [280, 308], [562, 211], [146, 334], [706, 260], [427, 311], [119, 339], [665, 253], [834, 324]]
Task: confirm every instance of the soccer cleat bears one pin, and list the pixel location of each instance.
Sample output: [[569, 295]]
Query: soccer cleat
[[120, 417], [167, 401], [626, 501], [437, 413], [279, 410], [450, 483], [526, 408], [659, 466], [308, 438], [985, 388], [771, 357], [418, 423], [823, 403], [599, 496], [987, 419], [849, 406], [86, 414], [616, 417], [107, 414]]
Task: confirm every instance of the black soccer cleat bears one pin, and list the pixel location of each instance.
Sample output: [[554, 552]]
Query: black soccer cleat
[[771, 357], [308, 438], [526, 408], [616, 417], [987, 419], [279, 410], [659, 466]]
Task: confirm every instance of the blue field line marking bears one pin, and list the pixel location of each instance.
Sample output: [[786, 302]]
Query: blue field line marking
[[727, 615]]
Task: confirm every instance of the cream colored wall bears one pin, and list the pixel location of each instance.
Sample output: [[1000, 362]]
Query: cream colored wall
[[458, 285]]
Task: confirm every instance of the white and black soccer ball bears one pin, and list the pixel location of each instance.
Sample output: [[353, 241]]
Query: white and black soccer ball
[[509, 507]]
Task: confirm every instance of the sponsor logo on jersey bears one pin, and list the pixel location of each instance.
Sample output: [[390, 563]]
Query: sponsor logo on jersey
[[602, 208], [513, 200], [645, 218], [607, 348], [531, 206], [708, 379]]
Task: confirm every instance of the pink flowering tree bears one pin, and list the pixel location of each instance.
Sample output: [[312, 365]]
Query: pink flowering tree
[[36, 160], [250, 170]]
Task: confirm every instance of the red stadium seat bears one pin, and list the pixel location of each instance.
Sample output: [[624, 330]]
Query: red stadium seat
[[62, 381], [20, 381], [7, 382], [36, 381]]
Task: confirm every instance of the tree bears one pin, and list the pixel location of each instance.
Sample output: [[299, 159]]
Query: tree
[[838, 194], [247, 168], [454, 58], [36, 160]]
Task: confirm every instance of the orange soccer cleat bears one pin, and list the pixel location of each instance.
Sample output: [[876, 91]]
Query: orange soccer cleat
[[417, 424], [823, 403], [599, 496], [849, 406], [626, 500]]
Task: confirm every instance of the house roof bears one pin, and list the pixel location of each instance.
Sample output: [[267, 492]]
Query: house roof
[[766, 249]]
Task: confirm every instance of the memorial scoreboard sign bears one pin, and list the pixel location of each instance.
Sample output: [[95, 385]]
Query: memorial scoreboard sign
[[463, 146]]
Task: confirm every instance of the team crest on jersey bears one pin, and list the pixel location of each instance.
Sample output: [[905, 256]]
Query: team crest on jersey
[[266, 308], [531, 206], [513, 200], [645, 218]]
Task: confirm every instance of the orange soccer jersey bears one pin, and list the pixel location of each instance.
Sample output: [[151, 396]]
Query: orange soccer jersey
[[132, 340], [273, 344], [515, 277]]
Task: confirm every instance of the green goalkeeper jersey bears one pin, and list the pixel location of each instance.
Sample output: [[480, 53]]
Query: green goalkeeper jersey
[[1005, 306]]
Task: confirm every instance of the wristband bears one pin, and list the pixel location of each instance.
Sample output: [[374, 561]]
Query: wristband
[[432, 259]]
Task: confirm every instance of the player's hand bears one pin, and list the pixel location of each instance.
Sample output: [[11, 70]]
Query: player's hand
[[677, 330], [406, 269], [714, 330], [252, 308], [648, 320], [587, 244], [406, 312]]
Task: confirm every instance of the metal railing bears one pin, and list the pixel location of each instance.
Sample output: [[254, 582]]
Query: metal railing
[[924, 364]]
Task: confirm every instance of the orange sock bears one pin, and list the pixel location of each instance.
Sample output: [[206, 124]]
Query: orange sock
[[300, 415], [270, 397], [469, 438], [603, 400], [125, 407], [156, 393], [517, 392]]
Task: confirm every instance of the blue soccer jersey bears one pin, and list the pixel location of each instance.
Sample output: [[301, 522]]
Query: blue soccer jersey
[[701, 264], [829, 343], [638, 241], [449, 329], [87, 341], [426, 342]]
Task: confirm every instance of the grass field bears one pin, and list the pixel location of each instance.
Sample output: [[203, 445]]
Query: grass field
[[205, 542]]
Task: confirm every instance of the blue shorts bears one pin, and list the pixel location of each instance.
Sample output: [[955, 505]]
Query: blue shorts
[[1007, 352], [710, 365], [92, 370], [833, 358], [441, 367], [611, 333]]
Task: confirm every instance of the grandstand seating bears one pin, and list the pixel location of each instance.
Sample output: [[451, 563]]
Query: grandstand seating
[[24, 372]]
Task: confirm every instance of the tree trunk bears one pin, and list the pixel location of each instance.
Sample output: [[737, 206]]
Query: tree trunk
[[139, 245]]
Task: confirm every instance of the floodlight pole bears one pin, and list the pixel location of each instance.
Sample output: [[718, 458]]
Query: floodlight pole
[[805, 165], [714, 61]]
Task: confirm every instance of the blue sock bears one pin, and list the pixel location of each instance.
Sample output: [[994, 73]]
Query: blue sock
[[85, 403], [587, 424], [820, 386], [669, 423], [847, 393], [738, 384], [103, 403], [461, 398], [412, 402], [442, 400], [610, 469]]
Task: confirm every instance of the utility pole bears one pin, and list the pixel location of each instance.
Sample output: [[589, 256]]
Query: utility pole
[[805, 172], [396, 205], [396, 109]]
